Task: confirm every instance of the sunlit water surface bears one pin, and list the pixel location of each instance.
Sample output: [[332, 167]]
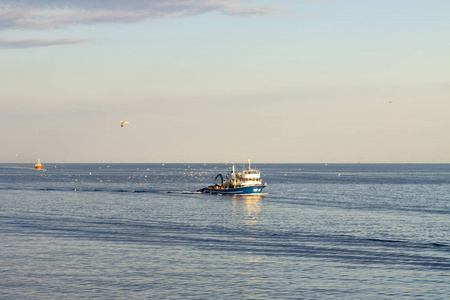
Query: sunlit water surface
[[139, 231]]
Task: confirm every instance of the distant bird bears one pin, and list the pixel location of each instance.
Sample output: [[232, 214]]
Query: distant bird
[[390, 101], [123, 123]]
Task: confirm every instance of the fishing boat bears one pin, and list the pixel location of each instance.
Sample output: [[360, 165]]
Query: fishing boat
[[247, 182], [38, 165]]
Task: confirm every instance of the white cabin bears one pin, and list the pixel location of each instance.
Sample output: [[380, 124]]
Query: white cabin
[[248, 177]]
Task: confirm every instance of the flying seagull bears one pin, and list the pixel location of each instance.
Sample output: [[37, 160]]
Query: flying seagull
[[123, 123]]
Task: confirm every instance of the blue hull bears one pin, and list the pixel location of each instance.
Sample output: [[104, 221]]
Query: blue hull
[[247, 190]]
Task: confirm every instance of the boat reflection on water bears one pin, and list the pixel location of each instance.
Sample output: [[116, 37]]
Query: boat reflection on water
[[248, 207], [247, 210]]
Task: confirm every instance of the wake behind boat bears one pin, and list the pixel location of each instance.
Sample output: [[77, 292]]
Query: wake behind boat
[[247, 182]]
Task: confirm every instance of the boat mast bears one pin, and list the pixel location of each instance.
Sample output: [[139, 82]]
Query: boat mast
[[234, 177]]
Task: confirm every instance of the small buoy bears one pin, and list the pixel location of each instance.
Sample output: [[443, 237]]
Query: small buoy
[[38, 165]]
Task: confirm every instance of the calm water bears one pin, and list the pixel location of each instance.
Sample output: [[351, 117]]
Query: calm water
[[138, 231]]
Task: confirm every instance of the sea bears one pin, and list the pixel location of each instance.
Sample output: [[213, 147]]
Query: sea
[[141, 231]]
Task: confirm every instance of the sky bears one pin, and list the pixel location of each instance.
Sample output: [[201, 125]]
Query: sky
[[215, 81]]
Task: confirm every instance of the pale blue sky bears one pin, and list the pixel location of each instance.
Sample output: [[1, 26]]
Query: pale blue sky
[[214, 81]]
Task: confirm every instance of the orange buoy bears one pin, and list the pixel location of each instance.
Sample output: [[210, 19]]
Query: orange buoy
[[38, 166]]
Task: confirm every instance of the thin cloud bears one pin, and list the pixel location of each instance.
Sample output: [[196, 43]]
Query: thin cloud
[[53, 14], [30, 43]]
